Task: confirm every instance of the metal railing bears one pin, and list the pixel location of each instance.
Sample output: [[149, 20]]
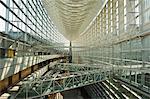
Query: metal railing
[[79, 75]]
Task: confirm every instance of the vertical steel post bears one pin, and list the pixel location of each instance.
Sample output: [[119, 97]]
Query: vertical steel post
[[7, 17], [6, 23], [135, 77], [26, 21], [70, 53], [142, 43], [143, 63], [130, 63]]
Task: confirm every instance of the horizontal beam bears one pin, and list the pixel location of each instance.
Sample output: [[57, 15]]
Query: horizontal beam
[[35, 89], [135, 88], [79, 67], [12, 80], [65, 46]]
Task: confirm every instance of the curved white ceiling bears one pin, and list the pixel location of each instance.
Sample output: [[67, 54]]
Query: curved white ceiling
[[72, 16]]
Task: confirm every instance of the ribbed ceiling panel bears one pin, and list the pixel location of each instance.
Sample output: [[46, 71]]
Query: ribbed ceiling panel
[[72, 16]]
